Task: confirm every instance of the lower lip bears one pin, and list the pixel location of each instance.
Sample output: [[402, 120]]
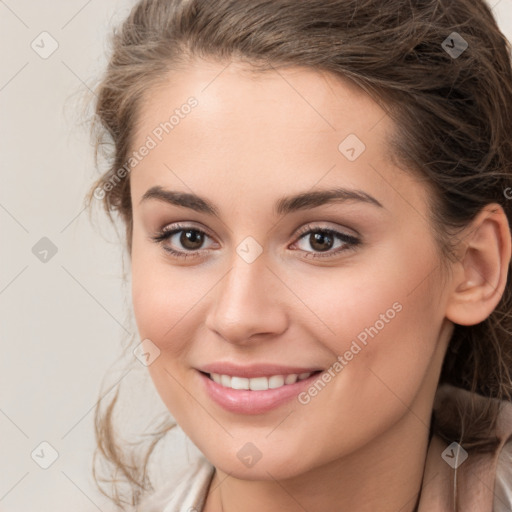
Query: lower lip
[[242, 401]]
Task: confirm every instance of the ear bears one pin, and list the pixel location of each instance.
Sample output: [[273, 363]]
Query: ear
[[480, 273]]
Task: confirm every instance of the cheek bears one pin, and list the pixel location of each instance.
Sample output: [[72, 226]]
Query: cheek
[[387, 321], [162, 298], [164, 295]]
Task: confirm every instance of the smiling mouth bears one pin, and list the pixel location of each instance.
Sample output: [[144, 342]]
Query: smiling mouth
[[258, 383]]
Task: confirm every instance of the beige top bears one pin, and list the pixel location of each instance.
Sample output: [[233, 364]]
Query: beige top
[[480, 483]]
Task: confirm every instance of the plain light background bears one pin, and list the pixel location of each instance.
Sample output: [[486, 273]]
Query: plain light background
[[65, 317]]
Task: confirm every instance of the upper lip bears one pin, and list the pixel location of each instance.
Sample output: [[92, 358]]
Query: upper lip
[[255, 370]]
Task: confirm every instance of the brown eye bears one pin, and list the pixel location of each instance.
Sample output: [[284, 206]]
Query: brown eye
[[183, 241], [321, 241], [314, 241], [191, 239]]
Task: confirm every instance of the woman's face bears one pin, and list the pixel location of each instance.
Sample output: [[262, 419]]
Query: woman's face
[[301, 248]]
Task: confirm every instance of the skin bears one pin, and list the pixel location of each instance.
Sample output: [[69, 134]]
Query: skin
[[360, 444]]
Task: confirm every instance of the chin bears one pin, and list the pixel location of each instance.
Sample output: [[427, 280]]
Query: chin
[[249, 463]]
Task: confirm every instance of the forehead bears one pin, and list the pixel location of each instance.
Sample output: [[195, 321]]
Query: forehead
[[231, 95], [261, 131]]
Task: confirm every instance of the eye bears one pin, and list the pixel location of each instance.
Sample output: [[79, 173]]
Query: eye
[[182, 241], [325, 240]]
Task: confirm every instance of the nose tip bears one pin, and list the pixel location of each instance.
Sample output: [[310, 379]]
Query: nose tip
[[247, 304]]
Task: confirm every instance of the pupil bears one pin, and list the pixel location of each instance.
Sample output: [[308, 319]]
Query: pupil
[[319, 239], [191, 239]]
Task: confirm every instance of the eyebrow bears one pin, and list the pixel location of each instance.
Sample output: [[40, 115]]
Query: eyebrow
[[283, 206]]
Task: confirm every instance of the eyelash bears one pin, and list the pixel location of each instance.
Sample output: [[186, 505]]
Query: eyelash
[[349, 241]]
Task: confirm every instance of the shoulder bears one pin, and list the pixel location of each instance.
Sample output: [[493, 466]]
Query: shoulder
[[187, 494], [462, 478], [503, 480]]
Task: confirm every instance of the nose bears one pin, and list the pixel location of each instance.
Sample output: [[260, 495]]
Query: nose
[[249, 302]]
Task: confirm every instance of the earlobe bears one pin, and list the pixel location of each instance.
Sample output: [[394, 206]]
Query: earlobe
[[480, 274]]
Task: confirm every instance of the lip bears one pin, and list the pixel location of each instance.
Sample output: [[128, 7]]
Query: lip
[[241, 401], [255, 370]]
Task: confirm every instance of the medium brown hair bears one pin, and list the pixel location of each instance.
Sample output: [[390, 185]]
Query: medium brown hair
[[453, 117]]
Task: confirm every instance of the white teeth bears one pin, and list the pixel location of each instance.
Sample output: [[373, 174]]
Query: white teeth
[[258, 383], [239, 383], [276, 381], [291, 379]]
